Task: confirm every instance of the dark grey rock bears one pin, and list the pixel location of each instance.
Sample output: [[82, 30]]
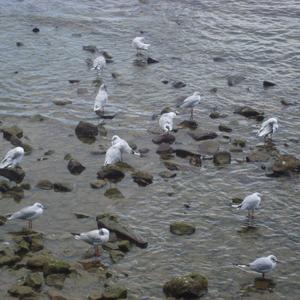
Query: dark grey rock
[[191, 124], [267, 84], [16, 174], [111, 172], [249, 112], [178, 84], [62, 187], [200, 135], [45, 184], [142, 178], [164, 138], [90, 48], [75, 167], [222, 158], [224, 128], [182, 228]]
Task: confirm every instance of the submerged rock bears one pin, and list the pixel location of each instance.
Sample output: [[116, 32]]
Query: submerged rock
[[224, 128], [263, 153], [56, 280], [208, 147], [123, 231], [86, 130], [189, 286], [164, 148], [8, 132], [233, 80], [142, 178], [55, 295], [249, 112], [222, 158], [164, 138], [75, 167], [8, 257], [62, 187], [111, 173], [113, 193], [90, 48], [16, 174], [178, 84], [191, 124], [151, 60], [34, 280], [98, 184], [61, 102], [285, 164], [182, 228], [45, 184], [114, 292], [55, 266], [21, 291], [200, 135], [167, 174], [267, 84]]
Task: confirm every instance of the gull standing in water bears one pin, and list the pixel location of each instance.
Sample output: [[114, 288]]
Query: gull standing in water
[[166, 121], [113, 155], [94, 237], [268, 128], [99, 64], [138, 44], [123, 145], [28, 213], [262, 265], [101, 99], [12, 158], [250, 203], [191, 102]]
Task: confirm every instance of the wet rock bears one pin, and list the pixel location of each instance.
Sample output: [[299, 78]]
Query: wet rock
[[124, 246], [55, 295], [90, 48], [68, 157], [54, 266], [164, 81], [45, 184], [92, 265], [13, 174], [21, 291], [189, 286], [262, 153], [285, 164], [164, 138], [142, 178], [2, 221], [224, 128], [171, 166], [167, 174], [106, 114], [56, 280], [86, 130], [73, 81], [151, 60], [114, 292], [62, 102], [37, 262], [112, 223], [222, 158], [200, 135], [4, 186], [111, 173], [34, 280], [38, 118], [116, 255], [249, 112], [95, 295], [182, 228], [164, 148], [208, 147], [235, 79], [216, 115], [178, 84], [8, 132], [75, 167], [28, 241], [188, 124], [8, 257], [264, 284], [19, 44], [113, 193], [239, 143], [184, 153], [98, 184], [62, 187], [195, 161], [36, 30], [213, 90], [115, 75], [49, 152], [218, 59], [81, 216], [267, 84]]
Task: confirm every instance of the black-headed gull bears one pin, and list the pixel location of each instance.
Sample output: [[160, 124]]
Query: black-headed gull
[[191, 102], [166, 121], [138, 44], [12, 158], [250, 203], [268, 128], [101, 99]]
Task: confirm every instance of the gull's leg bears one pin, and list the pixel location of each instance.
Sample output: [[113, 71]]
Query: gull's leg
[[249, 216], [252, 213], [97, 251], [30, 224], [263, 275]]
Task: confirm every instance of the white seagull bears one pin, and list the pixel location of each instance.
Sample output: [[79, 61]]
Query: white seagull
[[191, 102], [12, 158], [123, 145], [138, 44], [166, 121], [99, 64], [113, 155], [268, 128], [94, 237], [101, 99], [28, 213], [262, 265], [250, 203]]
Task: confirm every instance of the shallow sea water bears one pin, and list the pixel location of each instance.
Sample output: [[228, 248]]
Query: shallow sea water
[[256, 39]]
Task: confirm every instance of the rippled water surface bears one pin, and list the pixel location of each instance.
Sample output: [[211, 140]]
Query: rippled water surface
[[255, 39]]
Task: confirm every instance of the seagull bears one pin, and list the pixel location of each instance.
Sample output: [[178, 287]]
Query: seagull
[[101, 99], [268, 128], [94, 237], [250, 203], [113, 155], [99, 64], [28, 213], [12, 158], [138, 44], [191, 102], [262, 265], [166, 121], [123, 145]]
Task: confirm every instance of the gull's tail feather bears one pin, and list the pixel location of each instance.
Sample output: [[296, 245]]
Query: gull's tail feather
[[241, 266], [77, 237], [236, 205], [136, 154]]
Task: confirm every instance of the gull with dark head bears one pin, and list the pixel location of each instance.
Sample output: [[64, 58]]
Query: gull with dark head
[[262, 265], [138, 44], [28, 213], [95, 237], [101, 99], [99, 63], [250, 203], [123, 146], [268, 128], [166, 121], [191, 102], [12, 158]]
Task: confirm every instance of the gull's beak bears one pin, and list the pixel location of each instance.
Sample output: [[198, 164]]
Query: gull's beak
[[279, 261]]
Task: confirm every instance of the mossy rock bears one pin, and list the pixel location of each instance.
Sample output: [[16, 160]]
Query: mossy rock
[[34, 280], [182, 228], [190, 286], [54, 266], [114, 292], [21, 291]]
